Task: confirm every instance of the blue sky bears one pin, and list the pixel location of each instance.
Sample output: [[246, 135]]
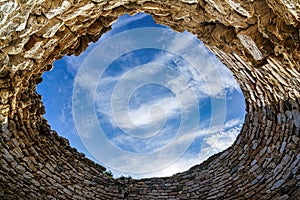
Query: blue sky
[[152, 105]]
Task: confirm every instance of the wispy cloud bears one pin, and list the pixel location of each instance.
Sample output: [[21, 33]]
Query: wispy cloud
[[150, 112], [213, 143], [207, 132], [145, 124], [208, 76], [153, 112]]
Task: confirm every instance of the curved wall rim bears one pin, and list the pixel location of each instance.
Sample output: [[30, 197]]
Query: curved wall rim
[[257, 40]]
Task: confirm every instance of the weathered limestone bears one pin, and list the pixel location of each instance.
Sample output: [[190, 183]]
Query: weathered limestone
[[257, 40]]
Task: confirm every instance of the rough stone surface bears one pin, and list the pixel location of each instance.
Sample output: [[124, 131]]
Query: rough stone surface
[[258, 40]]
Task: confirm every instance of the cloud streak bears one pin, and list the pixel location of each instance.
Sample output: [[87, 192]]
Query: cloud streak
[[213, 143], [209, 77], [145, 126]]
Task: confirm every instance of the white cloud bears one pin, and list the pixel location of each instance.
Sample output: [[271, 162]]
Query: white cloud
[[202, 80], [213, 143], [232, 123], [208, 77], [153, 112], [145, 145], [220, 141], [212, 130]]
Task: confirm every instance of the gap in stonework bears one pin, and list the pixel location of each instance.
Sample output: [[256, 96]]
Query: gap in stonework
[[151, 106]]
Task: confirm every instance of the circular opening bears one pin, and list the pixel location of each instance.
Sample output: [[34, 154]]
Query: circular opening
[[144, 100]]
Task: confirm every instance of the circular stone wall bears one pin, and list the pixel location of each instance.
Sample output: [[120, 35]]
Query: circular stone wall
[[257, 40]]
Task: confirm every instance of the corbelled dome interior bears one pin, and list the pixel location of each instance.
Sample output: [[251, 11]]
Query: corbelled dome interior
[[257, 40]]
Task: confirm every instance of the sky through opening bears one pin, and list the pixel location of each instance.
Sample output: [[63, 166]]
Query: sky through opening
[[153, 104]]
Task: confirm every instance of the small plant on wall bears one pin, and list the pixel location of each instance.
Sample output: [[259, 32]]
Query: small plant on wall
[[108, 173]]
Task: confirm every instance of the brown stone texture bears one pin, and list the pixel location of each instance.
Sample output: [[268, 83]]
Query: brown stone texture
[[258, 40]]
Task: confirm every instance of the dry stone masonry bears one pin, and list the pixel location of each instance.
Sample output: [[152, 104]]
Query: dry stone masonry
[[258, 40]]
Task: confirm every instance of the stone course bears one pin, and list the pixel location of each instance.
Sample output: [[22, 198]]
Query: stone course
[[258, 40]]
